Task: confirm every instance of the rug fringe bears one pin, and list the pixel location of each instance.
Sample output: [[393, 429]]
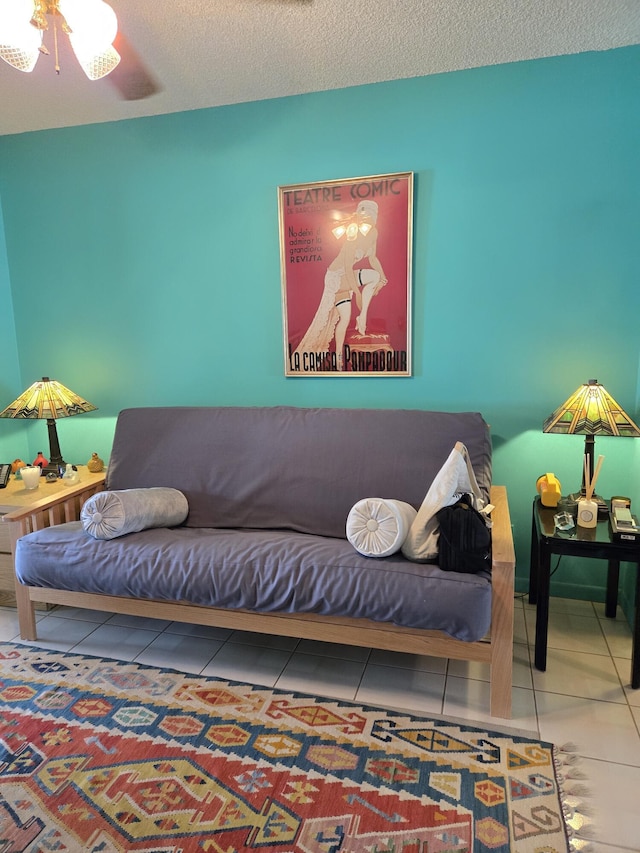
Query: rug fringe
[[580, 846], [577, 790], [569, 746], [576, 812], [573, 773]]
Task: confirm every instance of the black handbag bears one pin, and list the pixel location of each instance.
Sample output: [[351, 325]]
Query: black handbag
[[464, 544]]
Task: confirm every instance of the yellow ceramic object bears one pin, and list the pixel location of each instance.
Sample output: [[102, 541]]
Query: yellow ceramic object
[[17, 464], [95, 464]]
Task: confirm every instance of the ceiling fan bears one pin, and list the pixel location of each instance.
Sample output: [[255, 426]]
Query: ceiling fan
[[92, 28]]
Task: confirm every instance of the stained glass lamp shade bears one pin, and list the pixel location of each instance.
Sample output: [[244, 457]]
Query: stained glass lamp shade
[[590, 411], [48, 400]]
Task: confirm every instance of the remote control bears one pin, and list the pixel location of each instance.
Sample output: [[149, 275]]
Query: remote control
[[5, 473]]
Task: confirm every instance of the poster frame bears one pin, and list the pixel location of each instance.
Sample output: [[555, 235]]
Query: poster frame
[[324, 226]]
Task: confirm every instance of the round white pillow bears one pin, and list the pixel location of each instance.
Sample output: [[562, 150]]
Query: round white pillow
[[377, 527]]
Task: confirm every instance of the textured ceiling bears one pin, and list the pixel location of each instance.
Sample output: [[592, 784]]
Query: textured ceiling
[[206, 53]]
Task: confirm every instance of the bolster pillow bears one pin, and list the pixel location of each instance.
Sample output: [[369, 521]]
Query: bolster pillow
[[108, 515], [377, 527]]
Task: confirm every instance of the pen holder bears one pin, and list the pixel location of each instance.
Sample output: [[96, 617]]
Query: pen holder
[[587, 513]]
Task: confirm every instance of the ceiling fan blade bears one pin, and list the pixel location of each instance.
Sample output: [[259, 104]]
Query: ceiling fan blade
[[130, 77]]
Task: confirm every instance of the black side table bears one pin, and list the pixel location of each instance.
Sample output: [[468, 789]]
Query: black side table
[[595, 543]]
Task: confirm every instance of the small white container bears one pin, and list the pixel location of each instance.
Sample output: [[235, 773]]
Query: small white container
[[587, 513], [31, 477]]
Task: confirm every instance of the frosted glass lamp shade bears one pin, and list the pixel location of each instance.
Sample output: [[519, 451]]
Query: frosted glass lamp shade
[[19, 40], [95, 65]]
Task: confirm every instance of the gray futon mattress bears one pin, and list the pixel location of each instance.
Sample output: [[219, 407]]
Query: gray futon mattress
[[259, 570]]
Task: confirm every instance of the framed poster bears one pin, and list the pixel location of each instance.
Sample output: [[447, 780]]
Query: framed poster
[[345, 255]]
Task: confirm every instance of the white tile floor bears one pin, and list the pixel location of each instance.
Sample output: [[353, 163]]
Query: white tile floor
[[583, 698]]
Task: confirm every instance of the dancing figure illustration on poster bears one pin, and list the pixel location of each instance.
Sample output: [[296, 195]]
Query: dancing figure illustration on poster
[[345, 280]]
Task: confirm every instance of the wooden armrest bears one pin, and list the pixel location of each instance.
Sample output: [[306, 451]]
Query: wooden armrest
[[64, 505], [502, 604], [502, 548]]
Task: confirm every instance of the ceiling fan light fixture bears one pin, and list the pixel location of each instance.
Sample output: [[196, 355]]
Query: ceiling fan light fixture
[[91, 25], [15, 14], [95, 65], [19, 40], [93, 21], [20, 57]]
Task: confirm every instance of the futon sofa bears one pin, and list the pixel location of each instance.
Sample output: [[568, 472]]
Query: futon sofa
[[263, 545]]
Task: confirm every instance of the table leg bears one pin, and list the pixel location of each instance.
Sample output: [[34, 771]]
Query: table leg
[[534, 560], [635, 652], [542, 606], [613, 577]]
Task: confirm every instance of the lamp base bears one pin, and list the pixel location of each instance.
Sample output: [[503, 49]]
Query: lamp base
[[572, 501], [56, 462]]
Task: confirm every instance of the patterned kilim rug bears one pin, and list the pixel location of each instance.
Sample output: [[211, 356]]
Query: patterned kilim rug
[[100, 755]]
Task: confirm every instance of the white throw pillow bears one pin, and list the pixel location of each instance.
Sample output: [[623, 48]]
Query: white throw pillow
[[454, 479], [377, 527]]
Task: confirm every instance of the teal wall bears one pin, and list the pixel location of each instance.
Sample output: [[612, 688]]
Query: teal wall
[[144, 264], [13, 437]]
